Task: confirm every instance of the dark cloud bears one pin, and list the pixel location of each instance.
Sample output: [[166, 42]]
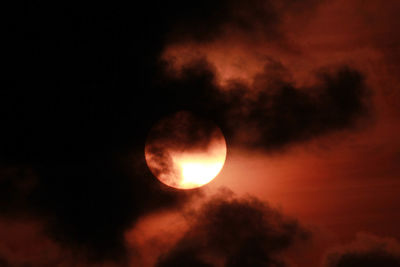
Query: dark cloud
[[366, 251], [16, 185], [3, 263], [24, 243], [183, 131], [185, 258], [274, 112], [208, 20], [236, 231]]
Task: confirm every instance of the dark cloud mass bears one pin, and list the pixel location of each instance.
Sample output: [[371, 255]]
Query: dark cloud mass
[[82, 85], [274, 112], [236, 232], [208, 20], [183, 130], [366, 251]]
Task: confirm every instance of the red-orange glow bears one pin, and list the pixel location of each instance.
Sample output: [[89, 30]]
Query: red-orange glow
[[231, 62]]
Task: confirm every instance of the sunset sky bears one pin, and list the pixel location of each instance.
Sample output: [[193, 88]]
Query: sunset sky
[[305, 92]]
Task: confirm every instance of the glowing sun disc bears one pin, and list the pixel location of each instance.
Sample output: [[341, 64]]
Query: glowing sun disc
[[184, 151]]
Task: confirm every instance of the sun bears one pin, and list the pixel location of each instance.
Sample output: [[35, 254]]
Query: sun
[[198, 169], [184, 152]]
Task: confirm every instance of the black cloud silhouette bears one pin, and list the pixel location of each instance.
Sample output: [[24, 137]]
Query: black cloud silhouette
[[238, 231], [366, 251], [273, 113]]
